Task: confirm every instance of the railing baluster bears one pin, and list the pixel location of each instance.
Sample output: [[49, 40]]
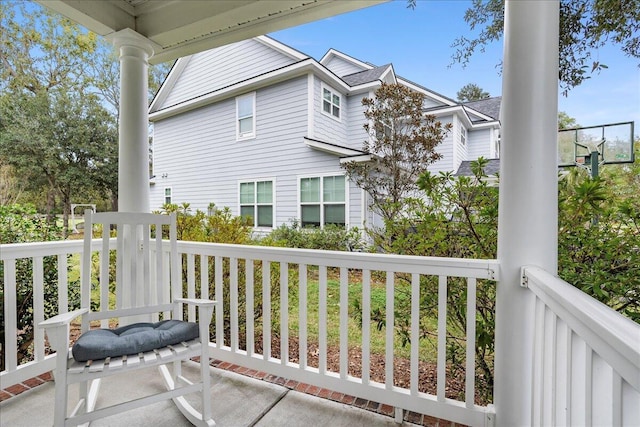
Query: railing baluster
[[366, 326], [549, 376], [266, 309], [10, 316], [250, 298], [563, 373], [344, 322], [38, 307], [204, 277], [284, 313], [538, 363], [218, 269], [233, 303], [63, 284], [104, 277], [415, 333], [470, 370], [389, 319], [577, 407], [302, 314], [616, 397], [322, 319], [588, 389], [442, 337], [191, 285]]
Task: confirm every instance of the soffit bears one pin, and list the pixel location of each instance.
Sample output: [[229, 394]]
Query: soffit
[[184, 27]]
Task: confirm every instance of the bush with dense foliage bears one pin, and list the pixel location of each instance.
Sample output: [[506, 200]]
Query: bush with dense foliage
[[598, 247], [330, 238], [21, 224]]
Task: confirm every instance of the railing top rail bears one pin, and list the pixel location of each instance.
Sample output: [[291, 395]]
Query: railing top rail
[[479, 268], [28, 250], [602, 328]]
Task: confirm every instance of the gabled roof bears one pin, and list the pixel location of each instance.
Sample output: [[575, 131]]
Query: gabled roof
[[492, 168], [367, 76], [489, 106]]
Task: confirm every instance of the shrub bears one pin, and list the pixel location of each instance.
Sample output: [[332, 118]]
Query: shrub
[[329, 238], [21, 224]]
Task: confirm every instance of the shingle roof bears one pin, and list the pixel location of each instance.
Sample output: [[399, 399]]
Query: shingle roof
[[365, 76], [488, 106], [492, 168]]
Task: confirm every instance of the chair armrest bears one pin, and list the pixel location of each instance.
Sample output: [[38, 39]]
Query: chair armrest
[[196, 302], [62, 319]]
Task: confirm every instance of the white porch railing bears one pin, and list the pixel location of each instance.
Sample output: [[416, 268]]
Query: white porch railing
[[587, 358], [586, 367], [275, 306]]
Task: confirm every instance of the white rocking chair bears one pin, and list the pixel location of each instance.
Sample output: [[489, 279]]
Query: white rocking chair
[[147, 285]]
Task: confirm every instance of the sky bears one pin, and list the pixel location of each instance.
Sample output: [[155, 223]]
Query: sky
[[418, 44]]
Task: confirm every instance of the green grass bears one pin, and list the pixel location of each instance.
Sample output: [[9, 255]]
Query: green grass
[[354, 332]]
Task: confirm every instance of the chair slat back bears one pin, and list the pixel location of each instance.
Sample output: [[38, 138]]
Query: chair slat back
[[130, 264]]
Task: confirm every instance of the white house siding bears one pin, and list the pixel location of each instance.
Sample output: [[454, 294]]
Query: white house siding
[[217, 68], [356, 134], [445, 148], [212, 162], [326, 128], [480, 143], [461, 150], [340, 67], [431, 103]]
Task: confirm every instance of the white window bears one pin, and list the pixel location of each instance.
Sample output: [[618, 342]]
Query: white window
[[463, 135], [167, 195], [331, 102], [246, 116], [323, 201], [256, 202]]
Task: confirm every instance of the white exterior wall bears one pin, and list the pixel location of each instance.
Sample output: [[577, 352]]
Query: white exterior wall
[[446, 149], [340, 67], [356, 134], [217, 68], [204, 163], [479, 144], [327, 128], [460, 149]]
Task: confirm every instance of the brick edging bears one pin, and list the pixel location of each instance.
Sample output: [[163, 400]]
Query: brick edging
[[369, 405]]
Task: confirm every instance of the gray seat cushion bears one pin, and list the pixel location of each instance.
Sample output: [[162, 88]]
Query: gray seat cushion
[[132, 339]]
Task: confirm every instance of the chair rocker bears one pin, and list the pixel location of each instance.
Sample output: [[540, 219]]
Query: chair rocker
[[148, 288]]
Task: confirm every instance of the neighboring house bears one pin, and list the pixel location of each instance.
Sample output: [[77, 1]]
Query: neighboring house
[[261, 128]]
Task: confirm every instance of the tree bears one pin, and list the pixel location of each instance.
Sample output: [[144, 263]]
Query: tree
[[42, 51], [66, 143], [565, 121], [471, 92], [402, 142], [585, 26], [53, 108]]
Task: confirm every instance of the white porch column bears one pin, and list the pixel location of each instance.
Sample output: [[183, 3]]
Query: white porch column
[[133, 164], [527, 226]]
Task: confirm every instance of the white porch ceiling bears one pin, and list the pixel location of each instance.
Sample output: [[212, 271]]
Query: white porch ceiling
[[184, 27]]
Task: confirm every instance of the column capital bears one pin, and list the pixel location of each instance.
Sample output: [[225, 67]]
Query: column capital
[[128, 37]]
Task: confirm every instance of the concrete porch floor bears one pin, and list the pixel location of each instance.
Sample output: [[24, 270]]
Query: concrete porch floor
[[237, 400]]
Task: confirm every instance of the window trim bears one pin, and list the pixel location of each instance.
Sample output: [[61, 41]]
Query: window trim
[[164, 195], [331, 90], [255, 204], [463, 135], [246, 135], [322, 203]]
